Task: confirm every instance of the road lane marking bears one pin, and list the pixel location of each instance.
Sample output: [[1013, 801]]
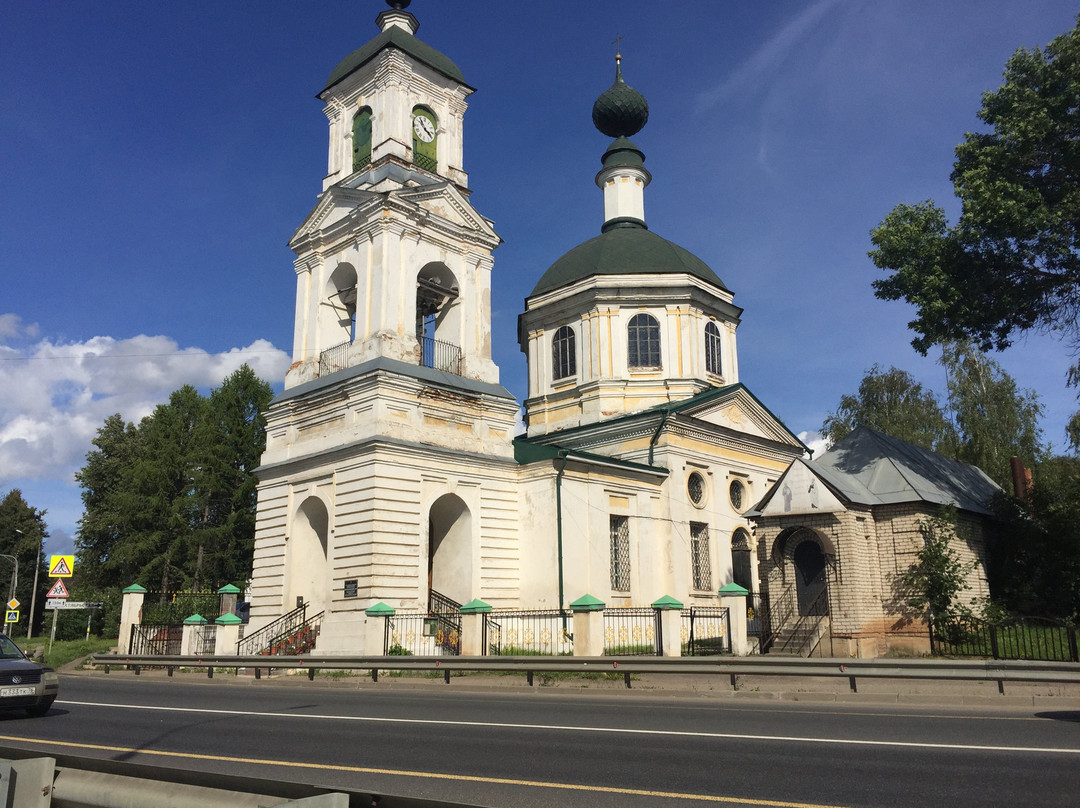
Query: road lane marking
[[466, 778], [610, 730]]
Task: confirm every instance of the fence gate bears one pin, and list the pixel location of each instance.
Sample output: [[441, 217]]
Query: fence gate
[[159, 640], [633, 632], [706, 631]]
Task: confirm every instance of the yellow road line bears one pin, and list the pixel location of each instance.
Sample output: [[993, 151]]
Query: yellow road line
[[466, 778]]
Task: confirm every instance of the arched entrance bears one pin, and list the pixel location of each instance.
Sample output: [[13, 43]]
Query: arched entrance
[[742, 569], [306, 557], [810, 578], [450, 549]]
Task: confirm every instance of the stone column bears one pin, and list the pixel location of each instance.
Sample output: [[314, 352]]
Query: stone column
[[733, 598], [375, 628], [588, 626], [130, 615], [228, 634], [670, 625], [472, 627], [193, 628]]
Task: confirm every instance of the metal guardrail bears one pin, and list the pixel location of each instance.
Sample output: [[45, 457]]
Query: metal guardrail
[[999, 670]]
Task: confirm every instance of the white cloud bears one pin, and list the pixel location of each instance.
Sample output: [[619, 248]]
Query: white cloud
[[55, 396], [12, 326], [814, 441]]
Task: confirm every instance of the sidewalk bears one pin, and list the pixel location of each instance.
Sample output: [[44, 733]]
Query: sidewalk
[[692, 685]]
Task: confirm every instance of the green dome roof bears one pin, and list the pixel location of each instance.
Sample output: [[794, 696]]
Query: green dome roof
[[395, 37], [625, 249]]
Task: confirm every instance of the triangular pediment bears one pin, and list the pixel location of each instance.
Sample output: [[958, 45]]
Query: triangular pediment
[[799, 491], [334, 204], [737, 409], [448, 203]]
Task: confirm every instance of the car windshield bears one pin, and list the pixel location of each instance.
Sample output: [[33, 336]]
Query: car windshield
[[9, 650]]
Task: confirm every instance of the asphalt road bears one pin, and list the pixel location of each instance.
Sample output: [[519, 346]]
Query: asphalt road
[[542, 748]]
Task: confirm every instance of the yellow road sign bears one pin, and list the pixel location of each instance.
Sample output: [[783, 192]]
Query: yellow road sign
[[61, 566], [13, 604], [12, 617]]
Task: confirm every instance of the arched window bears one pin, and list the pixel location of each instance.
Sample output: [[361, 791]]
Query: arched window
[[425, 131], [361, 139], [644, 342], [563, 356], [712, 348]]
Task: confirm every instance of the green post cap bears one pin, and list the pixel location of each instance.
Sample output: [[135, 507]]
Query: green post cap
[[229, 589], [733, 589], [229, 619], [476, 606], [380, 609], [195, 620], [134, 588], [587, 603], [667, 603]]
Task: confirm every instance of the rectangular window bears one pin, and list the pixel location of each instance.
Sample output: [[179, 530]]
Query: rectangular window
[[620, 553], [700, 558]]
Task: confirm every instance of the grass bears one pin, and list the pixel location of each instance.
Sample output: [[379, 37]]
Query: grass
[[65, 651]]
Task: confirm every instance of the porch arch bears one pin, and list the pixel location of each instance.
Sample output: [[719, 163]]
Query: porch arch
[[307, 556], [450, 548]]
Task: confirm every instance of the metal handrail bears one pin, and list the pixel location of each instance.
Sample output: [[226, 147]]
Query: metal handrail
[[264, 637], [851, 669]]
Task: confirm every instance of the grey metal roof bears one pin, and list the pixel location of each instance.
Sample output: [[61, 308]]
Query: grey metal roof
[[871, 468]]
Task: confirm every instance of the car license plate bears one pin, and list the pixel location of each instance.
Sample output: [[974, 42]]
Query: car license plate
[[8, 692]]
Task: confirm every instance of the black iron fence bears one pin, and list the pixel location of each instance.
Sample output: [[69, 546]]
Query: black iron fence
[[440, 355], [172, 608], [534, 632], [758, 625], [632, 632], [1027, 638], [706, 631], [334, 359], [422, 634], [156, 640]]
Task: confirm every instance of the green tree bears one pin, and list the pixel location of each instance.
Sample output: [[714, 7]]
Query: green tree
[[1035, 555], [994, 420], [22, 533], [1012, 261], [892, 402], [171, 503], [935, 581]]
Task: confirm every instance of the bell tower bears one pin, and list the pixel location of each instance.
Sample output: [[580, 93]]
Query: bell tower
[[392, 431], [394, 262]]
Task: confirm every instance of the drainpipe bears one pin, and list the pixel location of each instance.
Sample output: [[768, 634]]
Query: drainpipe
[[558, 528], [656, 435]]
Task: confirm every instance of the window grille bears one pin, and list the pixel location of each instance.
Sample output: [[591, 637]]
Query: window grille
[[620, 554], [700, 557], [695, 489], [644, 342], [712, 349], [564, 358], [735, 492]]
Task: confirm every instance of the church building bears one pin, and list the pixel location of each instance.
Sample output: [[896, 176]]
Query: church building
[[393, 472]]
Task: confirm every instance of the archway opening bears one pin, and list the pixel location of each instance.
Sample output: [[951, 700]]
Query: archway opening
[[437, 320], [810, 578], [308, 569], [742, 567], [450, 549]]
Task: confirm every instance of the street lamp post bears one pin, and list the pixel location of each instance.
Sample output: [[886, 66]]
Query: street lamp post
[[33, 592], [14, 584]]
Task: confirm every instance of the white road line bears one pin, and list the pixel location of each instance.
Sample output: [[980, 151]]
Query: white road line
[[609, 730]]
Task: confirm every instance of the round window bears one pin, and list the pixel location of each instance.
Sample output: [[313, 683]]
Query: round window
[[695, 487], [737, 492]]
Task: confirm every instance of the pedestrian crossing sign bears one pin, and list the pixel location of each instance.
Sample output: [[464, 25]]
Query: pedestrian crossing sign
[[58, 590], [61, 566], [11, 617]]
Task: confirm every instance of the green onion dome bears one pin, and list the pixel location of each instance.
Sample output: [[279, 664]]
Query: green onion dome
[[620, 111]]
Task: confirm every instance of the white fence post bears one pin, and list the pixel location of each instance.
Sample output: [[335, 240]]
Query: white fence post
[[588, 626], [733, 598], [130, 615]]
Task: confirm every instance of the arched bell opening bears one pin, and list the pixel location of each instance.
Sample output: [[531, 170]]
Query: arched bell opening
[[438, 326]]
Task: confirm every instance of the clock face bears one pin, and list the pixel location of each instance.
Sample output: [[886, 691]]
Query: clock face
[[424, 128]]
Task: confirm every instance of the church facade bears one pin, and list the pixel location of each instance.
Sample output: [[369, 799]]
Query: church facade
[[393, 472]]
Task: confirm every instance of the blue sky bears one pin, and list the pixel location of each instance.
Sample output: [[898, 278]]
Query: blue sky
[[157, 157]]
